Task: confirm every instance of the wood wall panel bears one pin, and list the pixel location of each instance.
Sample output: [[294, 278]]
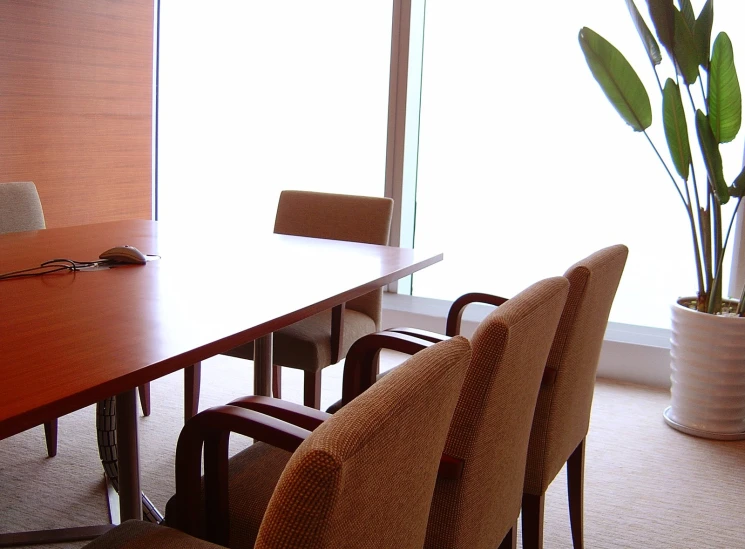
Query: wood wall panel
[[76, 105]]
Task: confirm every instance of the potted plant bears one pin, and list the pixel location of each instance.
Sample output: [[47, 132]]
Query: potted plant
[[701, 98]]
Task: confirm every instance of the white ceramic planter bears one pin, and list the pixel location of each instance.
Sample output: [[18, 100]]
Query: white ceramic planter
[[707, 359]]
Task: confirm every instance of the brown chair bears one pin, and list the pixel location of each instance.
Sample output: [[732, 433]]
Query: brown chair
[[491, 425], [323, 339], [363, 477], [20, 210], [562, 415], [478, 493]]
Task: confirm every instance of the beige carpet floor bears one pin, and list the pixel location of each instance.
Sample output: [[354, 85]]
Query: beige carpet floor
[[647, 486]]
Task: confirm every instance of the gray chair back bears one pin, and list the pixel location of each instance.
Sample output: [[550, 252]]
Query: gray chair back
[[20, 208]]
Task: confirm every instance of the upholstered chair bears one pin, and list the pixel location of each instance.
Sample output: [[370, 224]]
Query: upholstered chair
[[20, 210], [477, 496], [363, 477], [478, 493], [562, 416], [323, 339]]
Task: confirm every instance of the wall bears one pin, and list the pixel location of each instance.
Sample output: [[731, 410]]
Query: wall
[[76, 106]]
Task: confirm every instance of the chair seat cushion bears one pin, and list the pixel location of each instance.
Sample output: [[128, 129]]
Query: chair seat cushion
[[137, 534], [306, 345], [254, 473]]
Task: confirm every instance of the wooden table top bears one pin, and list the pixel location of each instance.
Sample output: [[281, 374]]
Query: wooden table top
[[69, 340]]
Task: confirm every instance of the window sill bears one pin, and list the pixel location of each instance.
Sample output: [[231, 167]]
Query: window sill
[[635, 354]]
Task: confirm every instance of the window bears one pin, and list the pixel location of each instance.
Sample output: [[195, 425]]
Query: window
[[255, 97], [515, 161], [525, 167]]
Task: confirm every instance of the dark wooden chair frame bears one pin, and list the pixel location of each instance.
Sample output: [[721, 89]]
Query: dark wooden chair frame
[[277, 422]]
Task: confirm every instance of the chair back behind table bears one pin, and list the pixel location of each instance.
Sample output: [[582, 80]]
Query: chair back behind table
[[20, 208], [324, 339]]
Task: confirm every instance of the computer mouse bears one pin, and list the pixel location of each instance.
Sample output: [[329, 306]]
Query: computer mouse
[[125, 255]]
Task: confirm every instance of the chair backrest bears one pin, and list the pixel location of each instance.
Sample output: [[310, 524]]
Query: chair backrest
[[20, 208], [365, 477], [491, 424], [562, 417], [352, 218]]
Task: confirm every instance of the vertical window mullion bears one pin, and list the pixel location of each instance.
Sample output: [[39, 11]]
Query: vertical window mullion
[[407, 42]]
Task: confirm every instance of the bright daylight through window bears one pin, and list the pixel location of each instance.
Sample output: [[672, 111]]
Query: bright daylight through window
[[256, 97], [524, 165]]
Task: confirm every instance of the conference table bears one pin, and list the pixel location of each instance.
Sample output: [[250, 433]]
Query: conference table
[[71, 339]]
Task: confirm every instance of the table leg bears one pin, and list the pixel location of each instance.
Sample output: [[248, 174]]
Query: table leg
[[263, 365], [130, 502]]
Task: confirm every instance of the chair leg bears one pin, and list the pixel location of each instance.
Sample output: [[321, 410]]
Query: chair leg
[[510, 540], [312, 389], [575, 490], [277, 381], [144, 391], [50, 434], [192, 385], [532, 521]]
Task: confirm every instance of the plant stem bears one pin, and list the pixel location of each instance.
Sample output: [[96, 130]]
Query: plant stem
[[703, 93], [698, 248], [689, 210], [657, 76], [696, 232], [664, 164], [715, 302], [715, 293], [731, 223], [703, 248]]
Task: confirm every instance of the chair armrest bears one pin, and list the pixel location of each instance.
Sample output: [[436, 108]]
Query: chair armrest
[[434, 337], [452, 326], [296, 414], [360, 366], [211, 429]]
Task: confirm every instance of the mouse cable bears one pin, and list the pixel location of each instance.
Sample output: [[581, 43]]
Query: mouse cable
[[51, 266]]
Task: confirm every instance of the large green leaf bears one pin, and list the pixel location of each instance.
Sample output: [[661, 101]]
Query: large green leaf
[[687, 10], [686, 54], [702, 33], [712, 157], [662, 13], [617, 78], [650, 44], [724, 97], [676, 129]]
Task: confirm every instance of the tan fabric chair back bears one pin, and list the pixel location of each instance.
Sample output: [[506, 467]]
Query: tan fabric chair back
[[492, 421], [352, 218], [365, 477], [562, 417], [20, 208]]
